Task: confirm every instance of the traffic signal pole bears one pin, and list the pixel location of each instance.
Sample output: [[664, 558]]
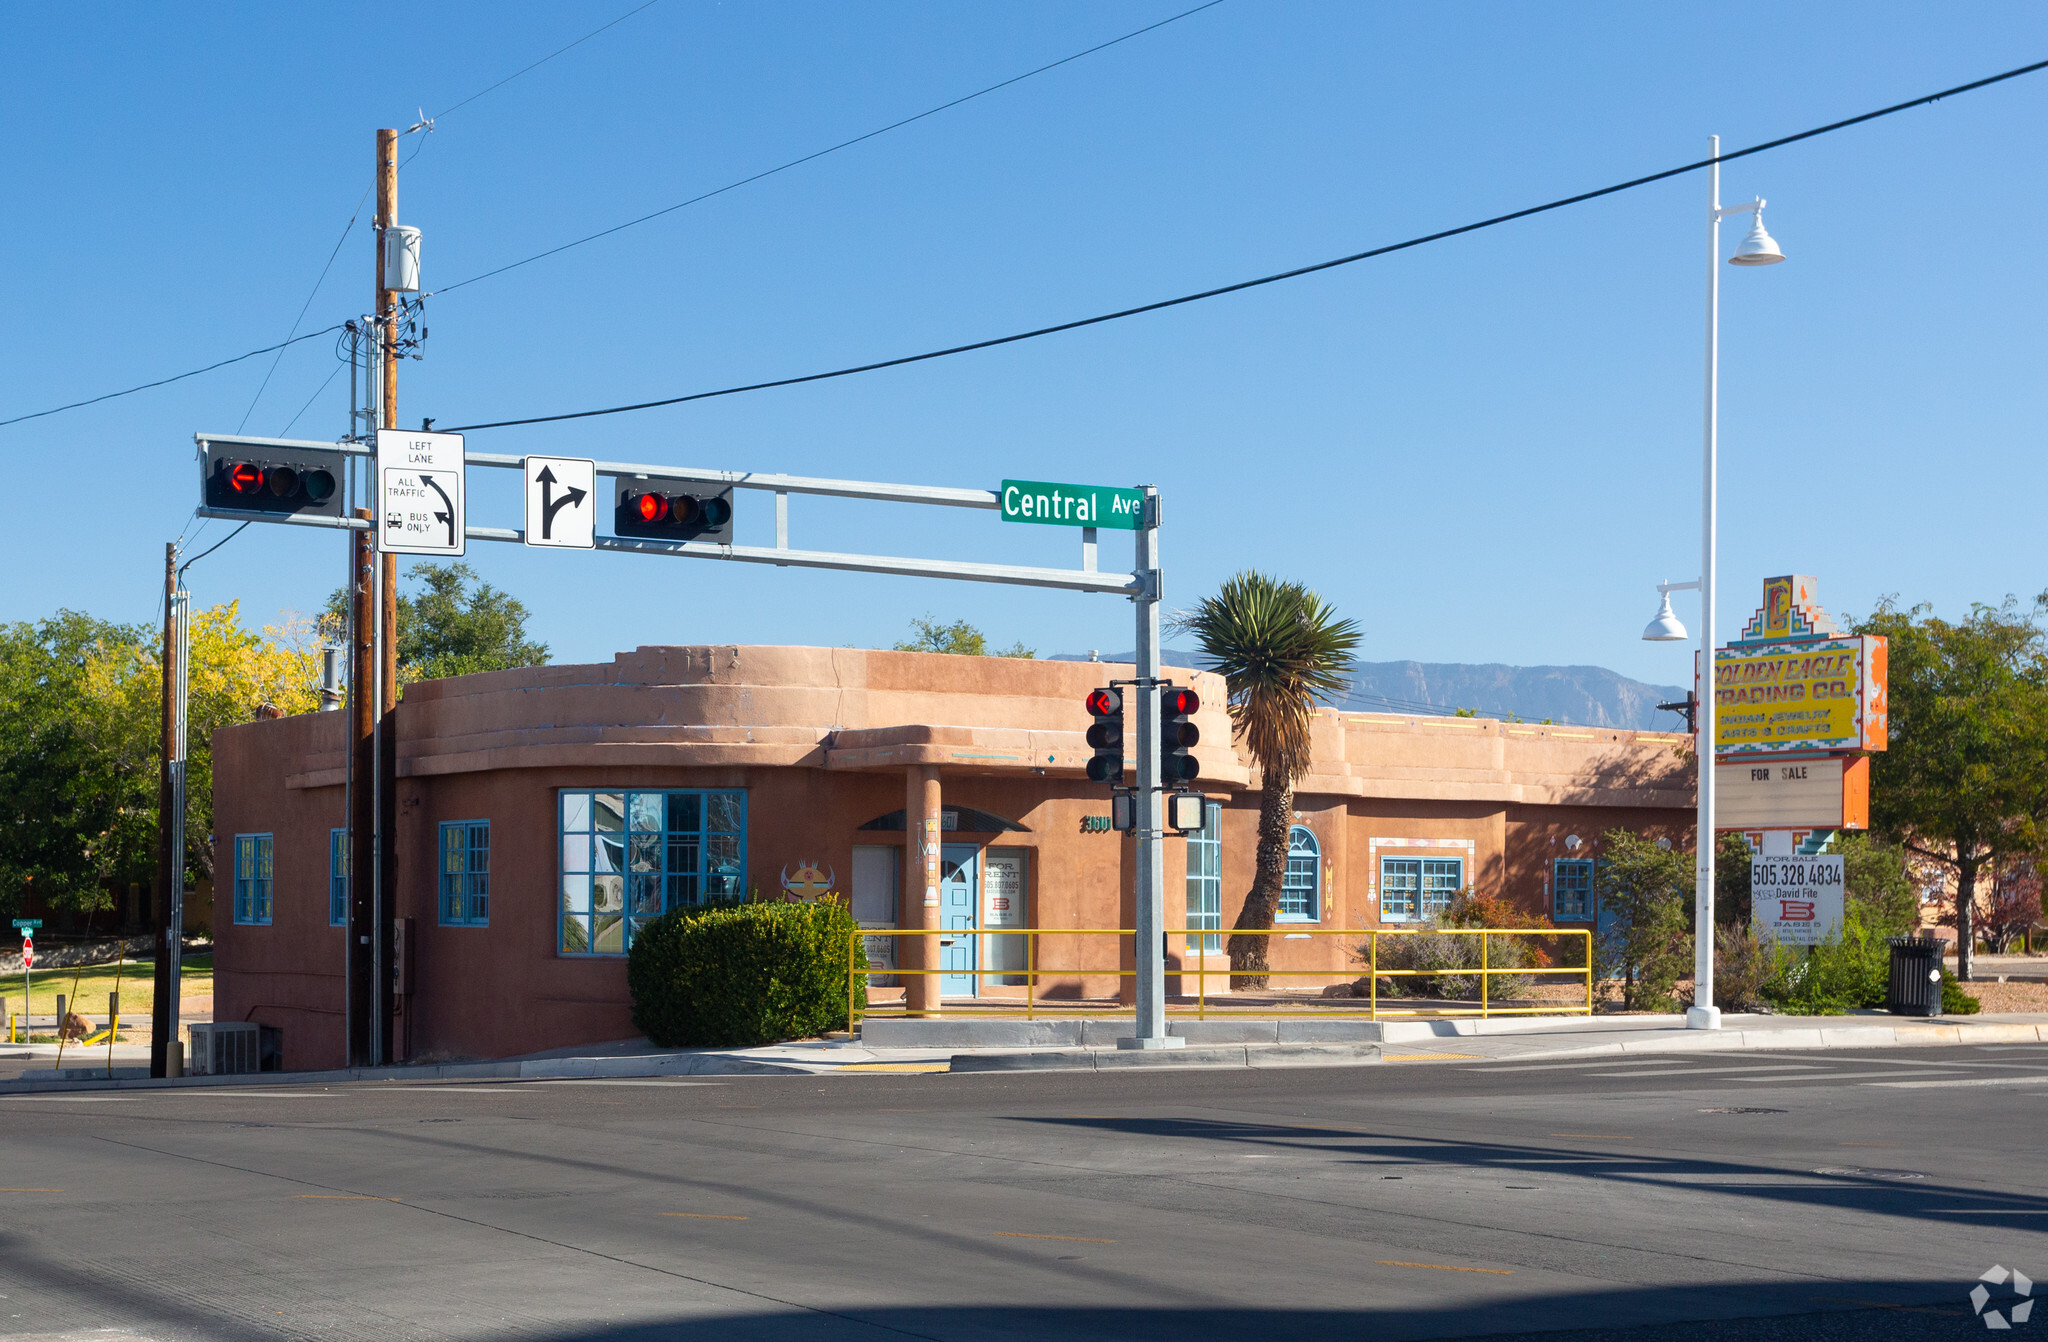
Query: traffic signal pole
[[163, 1019], [1150, 924], [384, 883]]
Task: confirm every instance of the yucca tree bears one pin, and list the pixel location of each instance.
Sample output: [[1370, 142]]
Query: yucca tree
[[1279, 648]]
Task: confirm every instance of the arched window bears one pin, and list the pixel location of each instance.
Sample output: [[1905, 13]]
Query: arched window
[[1301, 891]]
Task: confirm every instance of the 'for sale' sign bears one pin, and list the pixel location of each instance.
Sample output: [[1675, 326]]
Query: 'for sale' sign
[[1796, 901]]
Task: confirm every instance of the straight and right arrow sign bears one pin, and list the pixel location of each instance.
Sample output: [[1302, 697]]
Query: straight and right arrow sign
[[560, 513]]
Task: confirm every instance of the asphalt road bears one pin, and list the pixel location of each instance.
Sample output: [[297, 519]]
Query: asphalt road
[[1754, 1196]]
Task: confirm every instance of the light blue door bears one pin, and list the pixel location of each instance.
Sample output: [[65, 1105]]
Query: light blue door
[[959, 868]]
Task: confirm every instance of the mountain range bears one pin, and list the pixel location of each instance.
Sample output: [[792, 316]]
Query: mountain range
[[1588, 696]]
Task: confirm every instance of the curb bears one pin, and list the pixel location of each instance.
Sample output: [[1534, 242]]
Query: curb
[[1250, 1055], [538, 1069]]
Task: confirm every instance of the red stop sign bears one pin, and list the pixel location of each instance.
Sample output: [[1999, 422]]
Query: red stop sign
[[28, 951]]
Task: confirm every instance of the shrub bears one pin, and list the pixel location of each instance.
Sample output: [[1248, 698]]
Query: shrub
[[1743, 968], [1954, 1001], [1852, 971], [1645, 899], [738, 977], [1439, 956]]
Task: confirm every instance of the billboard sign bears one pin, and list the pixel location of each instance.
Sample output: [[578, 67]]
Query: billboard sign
[[1828, 792], [1796, 901], [1812, 694]]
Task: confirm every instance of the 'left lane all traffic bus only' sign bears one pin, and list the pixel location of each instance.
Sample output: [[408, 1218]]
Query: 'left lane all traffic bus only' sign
[[1073, 505]]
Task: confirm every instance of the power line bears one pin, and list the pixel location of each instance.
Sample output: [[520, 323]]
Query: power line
[[166, 381], [545, 59], [843, 144], [1295, 273], [303, 307]]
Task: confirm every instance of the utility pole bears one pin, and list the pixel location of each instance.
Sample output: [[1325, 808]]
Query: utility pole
[[387, 622], [362, 820], [167, 862]]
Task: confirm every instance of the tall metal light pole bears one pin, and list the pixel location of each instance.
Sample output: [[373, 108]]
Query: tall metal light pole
[[1756, 250]]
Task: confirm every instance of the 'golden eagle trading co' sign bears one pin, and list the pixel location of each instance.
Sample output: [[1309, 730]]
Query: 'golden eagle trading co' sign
[[1808, 694]]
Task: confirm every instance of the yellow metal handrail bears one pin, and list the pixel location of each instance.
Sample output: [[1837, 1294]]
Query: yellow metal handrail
[[1485, 970]]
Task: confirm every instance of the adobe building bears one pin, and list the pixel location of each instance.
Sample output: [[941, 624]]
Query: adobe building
[[545, 814]]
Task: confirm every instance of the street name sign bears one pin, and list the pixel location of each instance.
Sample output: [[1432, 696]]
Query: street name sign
[[419, 492], [1796, 901], [560, 513], [27, 924], [1073, 505]]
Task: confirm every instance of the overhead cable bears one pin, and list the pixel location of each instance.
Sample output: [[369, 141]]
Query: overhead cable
[[354, 215], [843, 144], [166, 381], [1295, 273]]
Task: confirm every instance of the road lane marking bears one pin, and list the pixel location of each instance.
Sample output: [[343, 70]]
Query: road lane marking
[[31, 1190], [704, 1216], [1070, 1239], [1963, 1081], [1722, 1071], [1822, 1076], [893, 1067], [1446, 1267], [1597, 1136], [344, 1197], [1429, 1057], [1609, 1061]]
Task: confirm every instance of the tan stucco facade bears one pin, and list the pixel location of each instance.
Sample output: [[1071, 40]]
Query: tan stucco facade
[[829, 747]]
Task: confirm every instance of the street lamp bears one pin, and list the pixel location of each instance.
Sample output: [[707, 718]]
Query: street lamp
[[1756, 249]]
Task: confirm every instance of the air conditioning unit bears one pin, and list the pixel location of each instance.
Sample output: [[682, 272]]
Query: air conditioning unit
[[222, 1048]]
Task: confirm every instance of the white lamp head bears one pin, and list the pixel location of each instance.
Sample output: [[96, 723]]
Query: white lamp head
[[1665, 628], [1758, 248]]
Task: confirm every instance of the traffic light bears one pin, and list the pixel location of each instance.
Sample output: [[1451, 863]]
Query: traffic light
[[1106, 736], [259, 478], [656, 509], [1177, 732]]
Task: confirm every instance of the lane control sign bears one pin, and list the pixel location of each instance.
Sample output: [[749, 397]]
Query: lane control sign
[[559, 511], [419, 493]]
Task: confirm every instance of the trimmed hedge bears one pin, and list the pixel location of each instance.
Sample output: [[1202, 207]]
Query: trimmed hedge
[[743, 976]]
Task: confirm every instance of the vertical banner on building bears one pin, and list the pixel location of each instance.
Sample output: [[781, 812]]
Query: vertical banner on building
[[1796, 901]]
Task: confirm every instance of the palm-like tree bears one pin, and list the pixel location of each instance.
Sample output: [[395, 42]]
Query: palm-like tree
[[1280, 648]]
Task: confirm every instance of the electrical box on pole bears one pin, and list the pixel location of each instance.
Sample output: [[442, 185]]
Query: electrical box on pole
[[660, 509]]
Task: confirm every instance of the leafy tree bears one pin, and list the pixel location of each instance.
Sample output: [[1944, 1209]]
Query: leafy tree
[[1280, 648], [958, 638], [1646, 900], [1964, 783], [1874, 878], [456, 625]]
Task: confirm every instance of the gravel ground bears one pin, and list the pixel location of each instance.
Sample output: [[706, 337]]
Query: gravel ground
[[1998, 997]]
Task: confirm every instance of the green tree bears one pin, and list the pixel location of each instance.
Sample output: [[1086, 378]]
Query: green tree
[[1645, 894], [1964, 782], [1280, 648], [455, 625], [76, 810], [958, 638]]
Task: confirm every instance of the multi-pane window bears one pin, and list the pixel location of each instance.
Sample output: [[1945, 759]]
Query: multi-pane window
[[1419, 887], [466, 873], [1205, 882], [1301, 888], [628, 857], [252, 878], [337, 877], [1571, 883]]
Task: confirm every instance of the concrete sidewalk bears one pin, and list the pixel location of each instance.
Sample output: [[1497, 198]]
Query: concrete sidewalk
[[1413, 1041]]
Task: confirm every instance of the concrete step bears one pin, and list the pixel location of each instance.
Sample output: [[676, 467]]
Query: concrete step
[[1082, 1032]]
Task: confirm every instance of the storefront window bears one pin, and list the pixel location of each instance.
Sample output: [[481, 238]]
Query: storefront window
[[1302, 888], [1419, 887], [1205, 882], [630, 856], [1572, 881]]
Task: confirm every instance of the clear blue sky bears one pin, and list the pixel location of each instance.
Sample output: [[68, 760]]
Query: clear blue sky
[[1484, 450]]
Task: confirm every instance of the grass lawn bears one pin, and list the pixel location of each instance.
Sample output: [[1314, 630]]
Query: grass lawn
[[94, 982]]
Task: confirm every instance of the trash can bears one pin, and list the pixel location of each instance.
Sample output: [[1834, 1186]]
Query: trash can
[[1915, 988]]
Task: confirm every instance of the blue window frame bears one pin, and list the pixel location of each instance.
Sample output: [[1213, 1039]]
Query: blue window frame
[[1205, 882], [1419, 888], [465, 873], [1301, 889], [630, 856], [1571, 885], [337, 877], [252, 878]]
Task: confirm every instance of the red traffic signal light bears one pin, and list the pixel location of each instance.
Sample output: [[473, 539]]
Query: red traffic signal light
[[1176, 702], [669, 510], [245, 477], [1104, 703], [1176, 733], [1106, 736], [304, 482]]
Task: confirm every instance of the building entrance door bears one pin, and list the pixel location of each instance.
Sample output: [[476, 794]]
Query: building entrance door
[[959, 891]]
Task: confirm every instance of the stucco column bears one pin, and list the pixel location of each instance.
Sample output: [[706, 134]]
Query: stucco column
[[921, 839]]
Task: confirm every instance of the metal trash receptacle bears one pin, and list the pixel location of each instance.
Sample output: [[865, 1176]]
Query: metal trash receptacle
[[1915, 987]]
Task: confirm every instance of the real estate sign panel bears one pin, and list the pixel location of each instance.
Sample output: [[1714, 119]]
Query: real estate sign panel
[[1796, 901]]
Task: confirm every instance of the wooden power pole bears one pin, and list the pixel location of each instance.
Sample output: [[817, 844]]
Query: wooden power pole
[[362, 819], [169, 864], [387, 673]]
